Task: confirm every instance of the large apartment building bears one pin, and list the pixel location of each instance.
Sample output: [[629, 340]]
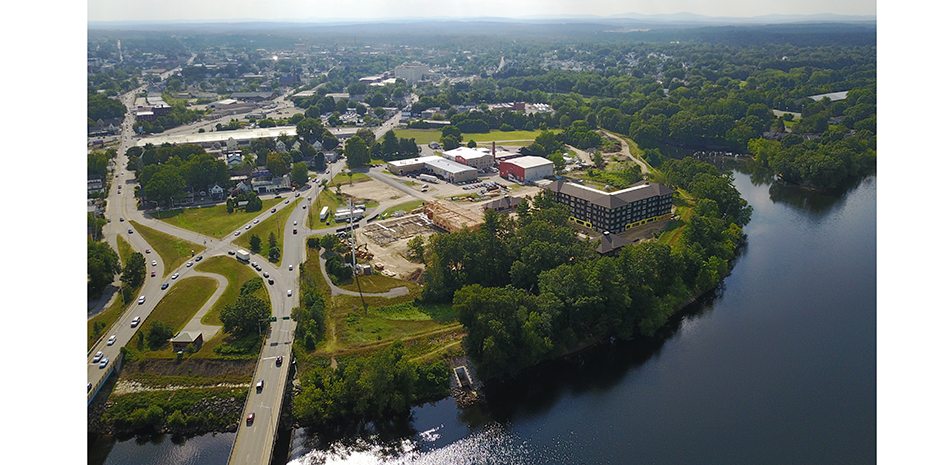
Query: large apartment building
[[613, 211]]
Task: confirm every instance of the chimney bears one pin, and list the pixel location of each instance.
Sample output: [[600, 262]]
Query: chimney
[[493, 150]]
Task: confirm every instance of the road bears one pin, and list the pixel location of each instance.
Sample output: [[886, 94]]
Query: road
[[253, 444], [625, 149]]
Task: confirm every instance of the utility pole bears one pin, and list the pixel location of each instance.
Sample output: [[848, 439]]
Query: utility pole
[[352, 239]]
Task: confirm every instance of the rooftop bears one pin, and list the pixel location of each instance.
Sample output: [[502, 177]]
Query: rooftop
[[529, 161], [186, 336], [467, 153], [610, 199]]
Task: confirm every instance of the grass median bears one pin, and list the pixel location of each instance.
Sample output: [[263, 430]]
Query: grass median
[[212, 221], [172, 250], [274, 224], [176, 308], [237, 275]]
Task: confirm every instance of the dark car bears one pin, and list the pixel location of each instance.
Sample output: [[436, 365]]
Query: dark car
[[199, 258], [271, 281], [153, 274], [164, 286], [250, 419], [295, 230], [121, 219], [279, 360]]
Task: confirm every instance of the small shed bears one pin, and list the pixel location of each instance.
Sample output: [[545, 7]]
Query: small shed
[[186, 339]]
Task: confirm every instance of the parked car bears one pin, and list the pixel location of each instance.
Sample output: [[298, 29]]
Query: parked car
[[111, 340], [304, 206], [121, 219], [130, 231], [247, 227], [147, 251], [265, 274], [237, 233], [231, 252], [97, 357], [256, 221]]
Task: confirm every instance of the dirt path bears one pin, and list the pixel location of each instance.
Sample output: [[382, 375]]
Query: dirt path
[[625, 149]]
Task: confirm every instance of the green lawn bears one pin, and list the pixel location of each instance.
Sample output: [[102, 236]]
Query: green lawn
[[402, 207], [341, 179], [212, 221], [172, 250], [424, 136], [109, 315], [237, 275], [376, 283], [182, 301], [275, 223], [124, 249]]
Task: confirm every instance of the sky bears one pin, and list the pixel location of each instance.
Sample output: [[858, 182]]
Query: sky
[[314, 10]]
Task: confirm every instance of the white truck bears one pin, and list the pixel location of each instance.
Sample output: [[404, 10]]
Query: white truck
[[243, 255], [428, 178], [324, 212]]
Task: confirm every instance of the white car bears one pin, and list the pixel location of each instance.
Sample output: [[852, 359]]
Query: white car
[[255, 221], [304, 206], [247, 227], [103, 363], [295, 223], [175, 275], [141, 300], [97, 357], [189, 264], [135, 322], [111, 340], [153, 263], [290, 293], [290, 267], [286, 202], [237, 233]]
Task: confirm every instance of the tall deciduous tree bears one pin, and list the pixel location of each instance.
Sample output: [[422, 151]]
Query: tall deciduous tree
[[247, 315], [357, 153]]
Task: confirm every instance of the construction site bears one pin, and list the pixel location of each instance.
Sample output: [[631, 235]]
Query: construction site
[[384, 244]]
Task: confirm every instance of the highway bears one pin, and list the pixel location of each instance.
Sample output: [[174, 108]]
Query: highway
[[254, 444]]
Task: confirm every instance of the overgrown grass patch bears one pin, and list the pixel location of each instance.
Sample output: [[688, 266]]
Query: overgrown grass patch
[[172, 250], [177, 307]]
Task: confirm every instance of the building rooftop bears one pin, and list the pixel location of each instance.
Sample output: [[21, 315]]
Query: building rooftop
[[467, 153], [530, 161], [609, 199], [449, 166], [186, 336], [412, 161]]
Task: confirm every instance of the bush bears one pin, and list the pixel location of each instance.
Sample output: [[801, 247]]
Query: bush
[[158, 334], [313, 242]]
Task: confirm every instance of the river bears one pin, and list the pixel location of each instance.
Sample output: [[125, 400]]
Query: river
[[777, 366]]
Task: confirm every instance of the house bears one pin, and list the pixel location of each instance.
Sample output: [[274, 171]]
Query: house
[[216, 192], [280, 146], [502, 204], [274, 184], [243, 186], [613, 212], [95, 185], [186, 340]]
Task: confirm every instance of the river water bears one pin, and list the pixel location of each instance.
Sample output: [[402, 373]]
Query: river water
[[775, 367]]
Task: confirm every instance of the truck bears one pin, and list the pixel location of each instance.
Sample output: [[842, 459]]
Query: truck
[[428, 178], [324, 212], [243, 255]]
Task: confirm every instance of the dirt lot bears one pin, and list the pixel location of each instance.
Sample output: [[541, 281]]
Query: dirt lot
[[376, 191], [388, 242]]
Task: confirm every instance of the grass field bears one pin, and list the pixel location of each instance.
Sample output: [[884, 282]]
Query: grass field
[[376, 283], [424, 136], [402, 207], [173, 251], [212, 221], [275, 223], [326, 198], [237, 275], [124, 249], [179, 305], [342, 180], [109, 315]]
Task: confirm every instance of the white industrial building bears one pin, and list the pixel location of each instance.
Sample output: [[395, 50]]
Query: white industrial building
[[412, 72], [479, 158], [441, 167]]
